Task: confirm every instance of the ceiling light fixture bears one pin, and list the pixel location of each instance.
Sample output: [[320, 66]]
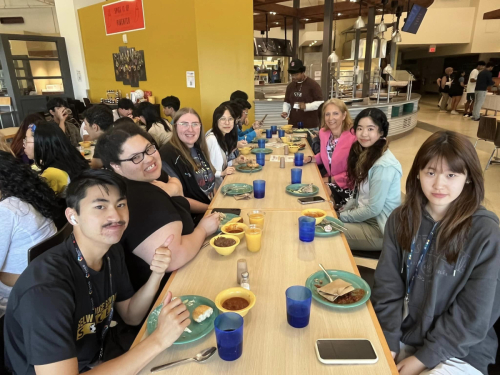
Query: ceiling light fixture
[[381, 26], [333, 58], [359, 24]]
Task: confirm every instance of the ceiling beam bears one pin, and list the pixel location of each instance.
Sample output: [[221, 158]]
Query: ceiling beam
[[260, 2], [493, 15], [280, 9]]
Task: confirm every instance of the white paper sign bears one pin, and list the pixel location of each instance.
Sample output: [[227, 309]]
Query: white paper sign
[[190, 80], [317, 73]]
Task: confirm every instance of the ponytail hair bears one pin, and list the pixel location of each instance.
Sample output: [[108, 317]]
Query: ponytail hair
[[361, 159]]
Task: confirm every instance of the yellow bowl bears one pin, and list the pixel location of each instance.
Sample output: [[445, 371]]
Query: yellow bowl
[[286, 127], [85, 144], [293, 149], [225, 250], [235, 292], [315, 210], [242, 226], [245, 150]]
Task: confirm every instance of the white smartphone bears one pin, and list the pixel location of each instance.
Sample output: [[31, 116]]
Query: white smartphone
[[345, 351], [311, 200]]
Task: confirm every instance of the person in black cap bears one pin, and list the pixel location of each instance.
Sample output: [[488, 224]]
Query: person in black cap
[[302, 98]]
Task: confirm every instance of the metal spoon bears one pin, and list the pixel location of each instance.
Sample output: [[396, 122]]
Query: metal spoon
[[327, 274], [200, 357]]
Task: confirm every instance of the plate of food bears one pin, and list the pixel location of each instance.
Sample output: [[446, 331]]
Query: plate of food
[[249, 167], [302, 190], [226, 218], [327, 227], [301, 146], [202, 313], [86, 152], [236, 189], [256, 140], [300, 130], [357, 297], [262, 151]]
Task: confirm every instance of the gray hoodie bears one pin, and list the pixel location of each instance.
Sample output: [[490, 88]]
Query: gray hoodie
[[452, 307]]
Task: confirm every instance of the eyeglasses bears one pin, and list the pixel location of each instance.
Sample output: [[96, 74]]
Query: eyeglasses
[[223, 119], [137, 158], [25, 142], [245, 112], [194, 125]]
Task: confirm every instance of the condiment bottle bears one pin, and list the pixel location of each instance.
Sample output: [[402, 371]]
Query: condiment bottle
[[285, 150], [244, 281], [241, 268], [282, 162]]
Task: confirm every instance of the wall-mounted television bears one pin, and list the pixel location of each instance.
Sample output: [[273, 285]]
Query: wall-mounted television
[[414, 19]]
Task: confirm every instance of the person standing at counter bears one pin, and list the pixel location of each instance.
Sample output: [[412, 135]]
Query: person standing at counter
[[302, 98], [471, 88], [444, 88], [484, 80]]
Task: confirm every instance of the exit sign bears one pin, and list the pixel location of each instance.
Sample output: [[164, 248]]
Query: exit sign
[[432, 49]]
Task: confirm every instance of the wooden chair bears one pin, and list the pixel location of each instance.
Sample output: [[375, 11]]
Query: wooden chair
[[487, 129], [367, 274], [87, 103], [6, 101], [496, 142], [50, 242]]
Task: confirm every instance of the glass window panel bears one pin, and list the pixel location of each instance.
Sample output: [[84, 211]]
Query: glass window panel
[[33, 48], [22, 68], [52, 86], [44, 68]]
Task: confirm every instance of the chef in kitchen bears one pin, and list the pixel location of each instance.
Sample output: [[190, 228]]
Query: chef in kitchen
[[302, 98]]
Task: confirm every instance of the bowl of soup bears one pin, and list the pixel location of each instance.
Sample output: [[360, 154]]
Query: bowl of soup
[[235, 229], [85, 144], [315, 213], [245, 150], [287, 127], [224, 244], [237, 300]]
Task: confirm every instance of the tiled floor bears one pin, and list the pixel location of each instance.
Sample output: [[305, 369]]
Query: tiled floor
[[431, 120]]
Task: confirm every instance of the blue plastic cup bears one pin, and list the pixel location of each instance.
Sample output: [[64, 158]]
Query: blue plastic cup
[[307, 226], [261, 158], [296, 175], [269, 133], [261, 143], [300, 124], [274, 129], [229, 335], [298, 306], [259, 189], [298, 159], [281, 133]]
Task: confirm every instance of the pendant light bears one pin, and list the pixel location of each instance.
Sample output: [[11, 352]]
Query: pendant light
[[396, 36], [333, 58], [359, 24], [381, 28], [263, 66]]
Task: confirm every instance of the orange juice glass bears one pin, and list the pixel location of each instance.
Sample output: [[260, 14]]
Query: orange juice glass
[[253, 236], [257, 218]]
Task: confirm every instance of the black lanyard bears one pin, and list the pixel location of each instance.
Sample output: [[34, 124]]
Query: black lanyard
[[83, 265], [425, 249]]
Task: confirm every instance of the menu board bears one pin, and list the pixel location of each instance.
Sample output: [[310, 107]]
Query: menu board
[[123, 16]]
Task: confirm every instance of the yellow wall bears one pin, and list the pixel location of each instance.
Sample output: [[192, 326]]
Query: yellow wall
[[212, 38]]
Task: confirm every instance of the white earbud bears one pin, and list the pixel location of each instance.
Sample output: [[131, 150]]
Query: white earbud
[[73, 220]]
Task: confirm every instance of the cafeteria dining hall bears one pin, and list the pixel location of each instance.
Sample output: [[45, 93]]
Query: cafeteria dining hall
[[249, 187]]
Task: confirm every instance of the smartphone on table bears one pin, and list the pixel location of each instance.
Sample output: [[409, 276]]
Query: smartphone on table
[[311, 200], [345, 351]]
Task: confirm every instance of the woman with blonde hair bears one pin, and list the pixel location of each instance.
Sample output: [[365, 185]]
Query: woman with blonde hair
[[336, 139], [186, 157]]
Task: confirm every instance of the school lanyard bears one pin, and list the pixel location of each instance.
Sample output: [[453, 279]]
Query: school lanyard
[[422, 256], [83, 265]]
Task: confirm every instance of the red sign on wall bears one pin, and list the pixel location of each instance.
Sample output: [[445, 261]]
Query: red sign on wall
[[123, 16]]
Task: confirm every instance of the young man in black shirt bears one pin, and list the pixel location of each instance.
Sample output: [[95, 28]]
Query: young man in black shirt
[[61, 307], [97, 119]]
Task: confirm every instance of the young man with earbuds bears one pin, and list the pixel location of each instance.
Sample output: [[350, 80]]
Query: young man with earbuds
[[62, 305]]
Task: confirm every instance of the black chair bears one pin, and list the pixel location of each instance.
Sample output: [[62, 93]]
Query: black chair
[[367, 274], [50, 242]]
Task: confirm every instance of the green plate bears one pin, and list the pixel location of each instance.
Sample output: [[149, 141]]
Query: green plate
[[300, 130], [262, 151], [239, 169], [225, 221], [356, 281], [256, 140], [291, 187], [319, 232], [236, 189], [198, 330]]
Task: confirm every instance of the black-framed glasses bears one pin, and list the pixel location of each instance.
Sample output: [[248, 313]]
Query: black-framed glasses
[[137, 158]]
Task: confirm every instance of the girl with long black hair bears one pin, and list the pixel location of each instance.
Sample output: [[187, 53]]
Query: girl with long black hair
[[375, 174], [28, 208], [155, 125], [222, 142], [54, 155], [436, 291]]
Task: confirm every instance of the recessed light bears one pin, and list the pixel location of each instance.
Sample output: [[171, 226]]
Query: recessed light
[[339, 14]]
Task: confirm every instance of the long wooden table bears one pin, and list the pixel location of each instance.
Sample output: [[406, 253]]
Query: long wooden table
[[270, 345], [9, 133]]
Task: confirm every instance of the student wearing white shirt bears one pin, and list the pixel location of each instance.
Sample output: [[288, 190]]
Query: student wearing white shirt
[[222, 142], [471, 87], [125, 109]]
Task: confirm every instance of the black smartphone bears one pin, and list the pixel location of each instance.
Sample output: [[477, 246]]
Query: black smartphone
[[345, 351], [234, 211], [310, 200]]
